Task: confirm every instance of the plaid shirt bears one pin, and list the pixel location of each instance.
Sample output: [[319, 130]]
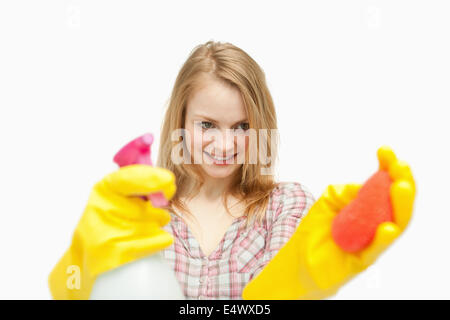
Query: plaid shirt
[[241, 254]]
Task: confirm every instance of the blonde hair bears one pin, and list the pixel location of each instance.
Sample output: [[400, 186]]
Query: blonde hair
[[235, 67]]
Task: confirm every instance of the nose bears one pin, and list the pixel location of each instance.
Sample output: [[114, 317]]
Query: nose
[[223, 144]]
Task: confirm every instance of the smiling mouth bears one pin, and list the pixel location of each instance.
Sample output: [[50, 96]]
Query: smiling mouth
[[220, 160]]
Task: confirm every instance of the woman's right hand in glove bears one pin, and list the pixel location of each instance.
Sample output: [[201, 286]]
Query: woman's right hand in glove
[[118, 226]]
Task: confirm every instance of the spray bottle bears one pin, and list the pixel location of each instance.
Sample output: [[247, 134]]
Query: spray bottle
[[148, 278]]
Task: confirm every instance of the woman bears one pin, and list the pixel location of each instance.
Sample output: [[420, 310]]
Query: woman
[[229, 231], [228, 217]]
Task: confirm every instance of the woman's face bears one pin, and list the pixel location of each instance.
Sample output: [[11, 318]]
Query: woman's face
[[217, 123]]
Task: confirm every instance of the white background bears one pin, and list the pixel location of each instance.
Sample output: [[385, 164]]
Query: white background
[[78, 79]]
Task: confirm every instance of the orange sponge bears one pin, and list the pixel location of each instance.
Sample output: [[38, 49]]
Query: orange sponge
[[354, 226]]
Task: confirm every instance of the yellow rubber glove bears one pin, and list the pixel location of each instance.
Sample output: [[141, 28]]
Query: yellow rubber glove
[[116, 227], [311, 265]]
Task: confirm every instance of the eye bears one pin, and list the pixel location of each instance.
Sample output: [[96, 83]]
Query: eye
[[245, 126], [205, 125]]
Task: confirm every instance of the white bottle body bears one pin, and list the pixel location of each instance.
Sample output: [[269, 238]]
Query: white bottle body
[[149, 278]]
